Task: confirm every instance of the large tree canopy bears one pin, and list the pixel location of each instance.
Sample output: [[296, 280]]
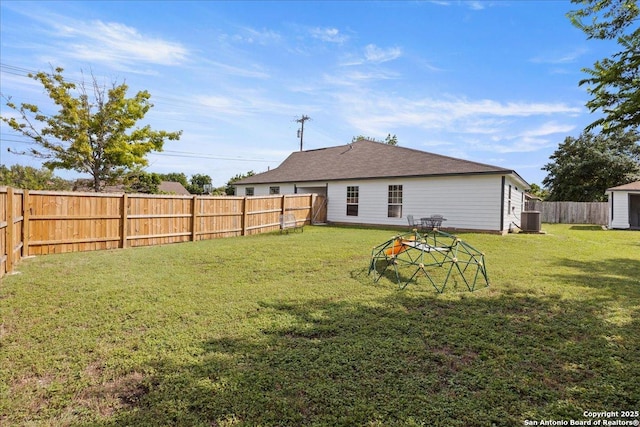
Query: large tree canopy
[[582, 168], [94, 130], [613, 83]]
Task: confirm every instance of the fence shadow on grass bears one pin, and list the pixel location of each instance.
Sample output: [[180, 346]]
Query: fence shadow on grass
[[406, 359]]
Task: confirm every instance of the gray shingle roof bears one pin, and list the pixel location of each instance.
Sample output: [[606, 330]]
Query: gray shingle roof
[[365, 159], [172, 187], [632, 186]]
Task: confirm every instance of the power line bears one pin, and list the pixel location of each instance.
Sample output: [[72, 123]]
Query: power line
[[171, 153], [24, 72], [157, 100]]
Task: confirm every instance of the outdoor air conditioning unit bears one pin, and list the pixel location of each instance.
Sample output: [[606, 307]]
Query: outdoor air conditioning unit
[[530, 222]]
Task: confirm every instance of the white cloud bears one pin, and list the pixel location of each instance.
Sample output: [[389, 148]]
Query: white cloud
[[477, 5], [473, 5], [112, 42], [487, 125], [549, 128], [373, 53], [242, 104], [559, 57], [237, 71], [250, 35], [117, 45], [331, 35]]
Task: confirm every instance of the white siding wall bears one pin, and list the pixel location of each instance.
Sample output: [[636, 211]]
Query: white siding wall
[[620, 200], [514, 205], [470, 202], [263, 190], [467, 202]]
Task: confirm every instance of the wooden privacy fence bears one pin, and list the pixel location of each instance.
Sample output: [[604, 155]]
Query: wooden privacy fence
[[571, 212], [45, 222]]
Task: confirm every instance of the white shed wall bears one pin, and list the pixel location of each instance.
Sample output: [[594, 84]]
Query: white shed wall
[[620, 211]]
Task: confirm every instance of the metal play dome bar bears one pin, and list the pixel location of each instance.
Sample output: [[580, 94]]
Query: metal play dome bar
[[440, 257]]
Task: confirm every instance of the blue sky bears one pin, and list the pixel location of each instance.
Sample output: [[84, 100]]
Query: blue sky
[[489, 81]]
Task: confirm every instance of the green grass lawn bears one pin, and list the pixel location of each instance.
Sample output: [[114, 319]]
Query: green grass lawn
[[290, 330]]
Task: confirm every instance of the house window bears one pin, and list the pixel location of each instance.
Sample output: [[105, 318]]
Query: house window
[[352, 200], [274, 190], [395, 201], [248, 191]]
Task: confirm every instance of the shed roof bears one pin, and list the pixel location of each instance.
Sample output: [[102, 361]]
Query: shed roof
[[632, 186], [364, 159]]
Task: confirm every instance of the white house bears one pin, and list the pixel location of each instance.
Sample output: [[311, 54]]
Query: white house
[[624, 206], [372, 183]]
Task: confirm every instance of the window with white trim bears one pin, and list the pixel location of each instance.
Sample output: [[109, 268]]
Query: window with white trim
[[274, 190], [353, 193], [394, 209]]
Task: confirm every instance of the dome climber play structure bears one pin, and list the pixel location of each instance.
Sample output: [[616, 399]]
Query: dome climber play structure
[[442, 258]]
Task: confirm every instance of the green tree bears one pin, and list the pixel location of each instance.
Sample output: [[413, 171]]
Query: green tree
[[94, 130], [30, 178], [200, 184], [142, 182], [175, 177], [613, 83], [389, 139], [582, 168], [538, 191], [230, 189]]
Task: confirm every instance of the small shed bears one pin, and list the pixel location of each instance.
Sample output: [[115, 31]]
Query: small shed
[[624, 206]]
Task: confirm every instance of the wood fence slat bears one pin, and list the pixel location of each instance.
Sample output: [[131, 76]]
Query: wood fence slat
[[151, 236], [73, 241], [187, 215], [72, 217]]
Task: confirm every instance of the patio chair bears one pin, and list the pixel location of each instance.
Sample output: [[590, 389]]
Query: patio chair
[[436, 220], [412, 222]]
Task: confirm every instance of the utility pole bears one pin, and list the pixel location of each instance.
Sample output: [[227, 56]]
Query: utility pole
[[301, 120]]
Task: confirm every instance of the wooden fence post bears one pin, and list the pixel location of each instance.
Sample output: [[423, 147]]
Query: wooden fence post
[[9, 232], [194, 217], [26, 214], [124, 226], [312, 210], [244, 215], [283, 207]]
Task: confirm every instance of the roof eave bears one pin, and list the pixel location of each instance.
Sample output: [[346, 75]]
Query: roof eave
[[365, 177]]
